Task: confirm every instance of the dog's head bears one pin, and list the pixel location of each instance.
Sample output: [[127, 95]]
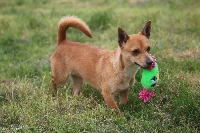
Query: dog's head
[[135, 48]]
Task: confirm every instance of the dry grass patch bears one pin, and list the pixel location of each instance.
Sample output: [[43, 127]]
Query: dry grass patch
[[190, 78], [182, 55]]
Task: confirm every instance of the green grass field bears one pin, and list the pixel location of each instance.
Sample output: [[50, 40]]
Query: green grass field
[[28, 30]]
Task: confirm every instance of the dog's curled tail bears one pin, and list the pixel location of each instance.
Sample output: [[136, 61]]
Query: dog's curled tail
[[71, 21]]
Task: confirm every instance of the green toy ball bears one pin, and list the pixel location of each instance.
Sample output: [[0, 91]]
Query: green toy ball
[[149, 80], [150, 76]]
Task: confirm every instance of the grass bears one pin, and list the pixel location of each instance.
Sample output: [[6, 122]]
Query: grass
[[27, 40]]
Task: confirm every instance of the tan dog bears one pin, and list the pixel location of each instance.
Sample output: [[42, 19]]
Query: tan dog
[[110, 71]]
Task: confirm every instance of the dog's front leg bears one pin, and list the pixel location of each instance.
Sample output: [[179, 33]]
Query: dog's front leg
[[110, 101], [124, 96]]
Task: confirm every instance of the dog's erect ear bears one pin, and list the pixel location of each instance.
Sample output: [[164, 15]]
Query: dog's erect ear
[[147, 29], [122, 36]]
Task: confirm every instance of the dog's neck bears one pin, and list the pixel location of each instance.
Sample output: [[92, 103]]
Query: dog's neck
[[128, 69]]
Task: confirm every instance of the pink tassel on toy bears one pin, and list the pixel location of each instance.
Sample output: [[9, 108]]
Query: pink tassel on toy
[[146, 95]]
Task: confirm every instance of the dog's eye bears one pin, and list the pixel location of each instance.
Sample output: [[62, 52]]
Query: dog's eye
[[148, 49], [136, 51]]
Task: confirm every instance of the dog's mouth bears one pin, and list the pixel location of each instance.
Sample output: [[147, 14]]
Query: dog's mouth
[[146, 67]]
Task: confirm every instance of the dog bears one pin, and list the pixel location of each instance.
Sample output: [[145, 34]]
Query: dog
[[110, 71]]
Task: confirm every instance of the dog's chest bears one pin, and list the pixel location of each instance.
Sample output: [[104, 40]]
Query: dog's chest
[[121, 85]]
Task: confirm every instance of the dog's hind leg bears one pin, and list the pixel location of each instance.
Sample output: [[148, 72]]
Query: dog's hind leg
[[77, 84], [59, 73], [53, 85]]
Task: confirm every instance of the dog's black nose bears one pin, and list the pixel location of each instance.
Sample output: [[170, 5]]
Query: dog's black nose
[[149, 62]]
